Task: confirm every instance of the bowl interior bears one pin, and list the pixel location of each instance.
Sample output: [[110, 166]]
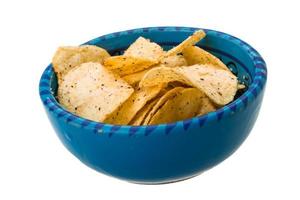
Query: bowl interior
[[226, 49]]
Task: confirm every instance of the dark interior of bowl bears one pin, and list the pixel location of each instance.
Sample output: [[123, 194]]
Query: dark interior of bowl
[[237, 60]]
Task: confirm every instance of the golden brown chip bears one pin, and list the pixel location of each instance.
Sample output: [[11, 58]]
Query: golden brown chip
[[184, 105], [168, 95], [92, 91], [125, 113], [190, 41], [173, 61], [219, 85], [143, 48], [206, 106], [140, 116], [241, 86], [160, 75], [133, 79], [174, 84], [124, 65], [66, 58], [139, 56], [196, 55]]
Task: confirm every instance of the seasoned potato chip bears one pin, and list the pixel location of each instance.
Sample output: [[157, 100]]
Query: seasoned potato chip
[[241, 86], [168, 95], [133, 79], [93, 92], [139, 56], [170, 61], [184, 105], [196, 55], [174, 84], [124, 65], [173, 61], [125, 113], [160, 75], [219, 85], [190, 41], [206, 106], [140, 116], [143, 48], [66, 58]]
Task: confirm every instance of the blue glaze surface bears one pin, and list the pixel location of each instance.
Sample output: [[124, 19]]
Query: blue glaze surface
[[166, 152]]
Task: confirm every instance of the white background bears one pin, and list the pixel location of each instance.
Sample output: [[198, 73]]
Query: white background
[[35, 165]]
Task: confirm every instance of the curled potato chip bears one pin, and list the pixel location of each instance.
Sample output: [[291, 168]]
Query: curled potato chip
[[169, 94], [93, 92], [133, 79], [140, 116], [190, 41], [143, 113], [196, 55], [139, 56], [143, 48], [160, 75], [219, 85], [170, 61], [206, 106], [184, 105], [178, 84], [173, 61], [124, 65], [66, 58], [241, 86], [125, 113]]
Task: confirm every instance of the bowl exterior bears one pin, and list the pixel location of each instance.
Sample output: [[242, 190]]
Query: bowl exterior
[[161, 153]]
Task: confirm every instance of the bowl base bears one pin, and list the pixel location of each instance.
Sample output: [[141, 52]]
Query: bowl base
[[165, 182]]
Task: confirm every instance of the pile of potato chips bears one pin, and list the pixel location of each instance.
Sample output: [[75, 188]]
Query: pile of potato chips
[[144, 86]]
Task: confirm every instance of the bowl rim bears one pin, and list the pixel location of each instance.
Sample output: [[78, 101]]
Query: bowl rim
[[257, 85]]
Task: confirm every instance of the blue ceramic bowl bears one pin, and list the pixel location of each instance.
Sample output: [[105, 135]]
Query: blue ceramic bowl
[[166, 152]]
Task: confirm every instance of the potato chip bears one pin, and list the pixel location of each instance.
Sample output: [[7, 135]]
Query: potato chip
[[196, 55], [139, 56], [143, 113], [170, 61], [134, 103], [206, 106], [140, 116], [124, 65], [173, 61], [184, 105], [174, 84], [160, 75], [168, 95], [92, 91], [92, 109], [133, 79], [190, 41], [66, 58], [219, 85], [143, 48], [241, 86]]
